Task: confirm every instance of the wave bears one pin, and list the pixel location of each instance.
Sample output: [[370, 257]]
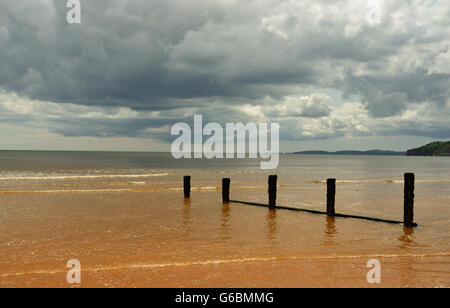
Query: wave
[[118, 190], [82, 177], [350, 181], [381, 181], [231, 261], [420, 181]]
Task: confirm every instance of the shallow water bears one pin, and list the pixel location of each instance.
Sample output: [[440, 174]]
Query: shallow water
[[124, 217]]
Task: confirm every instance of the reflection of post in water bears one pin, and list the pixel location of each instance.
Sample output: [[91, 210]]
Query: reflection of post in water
[[225, 227], [272, 224], [330, 227], [225, 214], [187, 212], [407, 238], [329, 231]]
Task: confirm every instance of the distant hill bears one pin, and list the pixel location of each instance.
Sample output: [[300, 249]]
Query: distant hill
[[372, 152], [432, 149]]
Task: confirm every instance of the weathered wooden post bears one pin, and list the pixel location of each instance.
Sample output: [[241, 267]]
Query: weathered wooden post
[[331, 197], [226, 190], [273, 191], [409, 200], [187, 186]]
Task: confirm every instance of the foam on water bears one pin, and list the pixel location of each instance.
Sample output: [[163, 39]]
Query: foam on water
[[82, 177], [230, 261], [381, 181], [119, 190]]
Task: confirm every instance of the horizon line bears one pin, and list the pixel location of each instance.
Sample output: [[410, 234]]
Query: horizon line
[[137, 151]]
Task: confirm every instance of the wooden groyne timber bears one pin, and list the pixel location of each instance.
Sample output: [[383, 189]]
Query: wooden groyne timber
[[408, 219]]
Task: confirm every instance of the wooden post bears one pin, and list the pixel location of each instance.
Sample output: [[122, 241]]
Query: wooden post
[[409, 200], [331, 197], [187, 186], [226, 190], [273, 191]]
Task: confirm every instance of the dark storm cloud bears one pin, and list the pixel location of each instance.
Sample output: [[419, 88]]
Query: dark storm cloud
[[219, 58]]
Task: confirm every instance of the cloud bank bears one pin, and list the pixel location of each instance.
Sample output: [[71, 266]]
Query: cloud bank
[[319, 68]]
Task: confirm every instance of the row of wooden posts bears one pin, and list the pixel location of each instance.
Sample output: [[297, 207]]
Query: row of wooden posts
[[408, 219]]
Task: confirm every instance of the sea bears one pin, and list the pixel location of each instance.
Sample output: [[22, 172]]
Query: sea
[[123, 216]]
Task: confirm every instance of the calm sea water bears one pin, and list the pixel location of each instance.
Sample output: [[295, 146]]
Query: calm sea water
[[123, 216]]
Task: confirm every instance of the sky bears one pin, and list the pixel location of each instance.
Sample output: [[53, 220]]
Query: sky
[[335, 74]]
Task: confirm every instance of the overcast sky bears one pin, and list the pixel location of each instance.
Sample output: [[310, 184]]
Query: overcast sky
[[323, 69]]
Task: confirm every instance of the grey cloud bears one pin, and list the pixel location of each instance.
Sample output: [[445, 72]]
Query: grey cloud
[[213, 57], [387, 95], [316, 106]]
